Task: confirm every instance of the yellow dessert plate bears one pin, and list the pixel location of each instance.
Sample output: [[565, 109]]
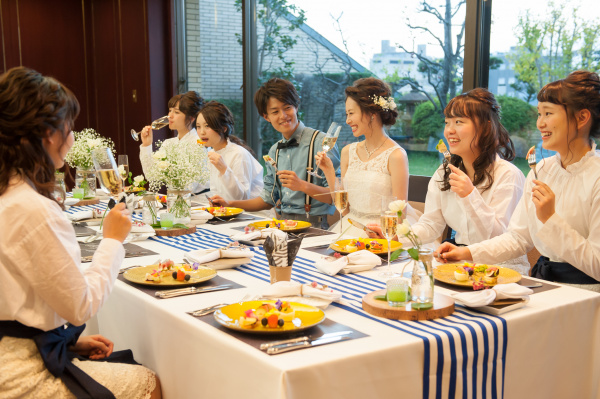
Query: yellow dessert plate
[[306, 316], [138, 276], [340, 246], [445, 274], [301, 225], [229, 212]]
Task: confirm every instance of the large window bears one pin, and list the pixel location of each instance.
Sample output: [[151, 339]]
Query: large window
[[534, 43]]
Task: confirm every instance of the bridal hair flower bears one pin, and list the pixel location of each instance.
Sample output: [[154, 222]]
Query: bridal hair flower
[[387, 104]]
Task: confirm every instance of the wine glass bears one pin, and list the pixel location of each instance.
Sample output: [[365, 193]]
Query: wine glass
[[123, 160], [328, 143], [107, 172], [388, 222], [340, 200], [156, 125]]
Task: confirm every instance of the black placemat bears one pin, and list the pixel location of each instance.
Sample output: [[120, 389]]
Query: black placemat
[[244, 217], [524, 281], [82, 230], [255, 340], [131, 250], [150, 290]]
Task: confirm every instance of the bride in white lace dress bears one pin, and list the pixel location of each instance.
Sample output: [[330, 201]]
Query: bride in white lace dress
[[374, 167]]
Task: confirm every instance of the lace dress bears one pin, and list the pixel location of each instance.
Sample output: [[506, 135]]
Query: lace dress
[[366, 183]]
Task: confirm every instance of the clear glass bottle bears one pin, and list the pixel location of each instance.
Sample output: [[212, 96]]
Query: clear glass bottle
[[150, 209], [60, 190], [179, 204], [422, 277]]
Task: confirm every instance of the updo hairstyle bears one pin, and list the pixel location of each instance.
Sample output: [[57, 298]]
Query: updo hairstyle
[[190, 104], [366, 91]]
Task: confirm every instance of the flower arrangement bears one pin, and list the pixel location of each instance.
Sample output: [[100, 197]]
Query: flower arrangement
[[404, 229], [177, 165], [386, 103], [80, 154]]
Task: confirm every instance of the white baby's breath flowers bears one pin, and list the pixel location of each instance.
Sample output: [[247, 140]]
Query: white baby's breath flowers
[[387, 103], [80, 154], [178, 164]]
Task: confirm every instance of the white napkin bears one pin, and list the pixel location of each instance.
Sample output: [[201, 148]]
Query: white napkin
[[80, 215], [71, 201], [259, 234], [100, 194], [209, 255], [200, 215], [499, 291], [139, 227], [296, 292], [358, 258]]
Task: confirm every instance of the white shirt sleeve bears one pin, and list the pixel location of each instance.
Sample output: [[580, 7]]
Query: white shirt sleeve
[[146, 158], [431, 224], [237, 179]]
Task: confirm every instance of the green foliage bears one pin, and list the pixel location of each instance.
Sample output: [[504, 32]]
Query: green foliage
[[427, 121], [495, 62], [518, 116]]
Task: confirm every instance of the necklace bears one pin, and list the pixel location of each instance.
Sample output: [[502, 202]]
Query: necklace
[[369, 153]]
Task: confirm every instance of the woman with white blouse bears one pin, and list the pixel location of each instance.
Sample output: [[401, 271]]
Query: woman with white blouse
[[234, 172], [183, 109], [559, 212], [43, 286]]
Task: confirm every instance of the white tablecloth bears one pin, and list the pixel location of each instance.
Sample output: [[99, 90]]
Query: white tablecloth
[[549, 347]]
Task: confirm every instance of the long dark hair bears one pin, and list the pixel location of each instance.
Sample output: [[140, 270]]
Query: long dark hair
[[190, 104], [32, 107], [579, 90], [364, 91], [220, 119], [491, 137]]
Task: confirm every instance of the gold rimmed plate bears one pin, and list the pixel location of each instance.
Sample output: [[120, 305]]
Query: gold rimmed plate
[[305, 317], [445, 274], [340, 246], [138, 275], [299, 226], [213, 210]]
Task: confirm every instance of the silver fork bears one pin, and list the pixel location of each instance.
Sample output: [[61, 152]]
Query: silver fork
[[208, 310], [532, 161], [441, 147]]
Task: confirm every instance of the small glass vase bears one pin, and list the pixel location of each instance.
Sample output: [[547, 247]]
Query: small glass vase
[[61, 189], [422, 277], [150, 209], [86, 180], [179, 204]]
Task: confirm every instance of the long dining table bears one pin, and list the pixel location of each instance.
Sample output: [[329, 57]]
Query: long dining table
[[546, 349]]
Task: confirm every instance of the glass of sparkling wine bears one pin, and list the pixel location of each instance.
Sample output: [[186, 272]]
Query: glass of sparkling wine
[[123, 161], [388, 221], [107, 172], [340, 199], [156, 125], [328, 143]]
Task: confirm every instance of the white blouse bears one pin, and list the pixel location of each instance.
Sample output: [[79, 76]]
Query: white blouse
[[147, 160], [243, 178], [42, 284], [572, 234]]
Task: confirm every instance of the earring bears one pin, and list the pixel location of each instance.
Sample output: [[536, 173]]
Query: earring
[[371, 117]]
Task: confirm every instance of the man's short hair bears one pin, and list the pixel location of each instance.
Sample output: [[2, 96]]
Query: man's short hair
[[281, 89]]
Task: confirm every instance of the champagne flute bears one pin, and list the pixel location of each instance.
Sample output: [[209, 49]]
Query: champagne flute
[[156, 125], [107, 172], [328, 143], [388, 221], [123, 161], [340, 200]]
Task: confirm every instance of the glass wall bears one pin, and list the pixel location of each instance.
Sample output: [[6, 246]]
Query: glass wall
[[534, 43]]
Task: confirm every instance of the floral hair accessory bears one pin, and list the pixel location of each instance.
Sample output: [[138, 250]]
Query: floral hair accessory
[[387, 104]]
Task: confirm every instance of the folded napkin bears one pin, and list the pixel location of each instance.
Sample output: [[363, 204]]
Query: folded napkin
[[209, 255], [287, 289], [71, 201], [499, 291], [280, 252], [100, 194], [140, 227], [332, 266], [200, 215], [259, 234], [82, 215]]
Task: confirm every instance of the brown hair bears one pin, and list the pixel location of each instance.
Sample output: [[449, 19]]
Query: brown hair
[[364, 91], [491, 137], [579, 90], [220, 119], [31, 107], [278, 88], [189, 103]]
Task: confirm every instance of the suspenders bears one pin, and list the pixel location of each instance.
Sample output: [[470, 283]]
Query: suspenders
[[309, 166]]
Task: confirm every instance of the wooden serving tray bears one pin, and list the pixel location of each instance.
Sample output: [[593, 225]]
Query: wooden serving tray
[[175, 232], [91, 201], [442, 306]]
